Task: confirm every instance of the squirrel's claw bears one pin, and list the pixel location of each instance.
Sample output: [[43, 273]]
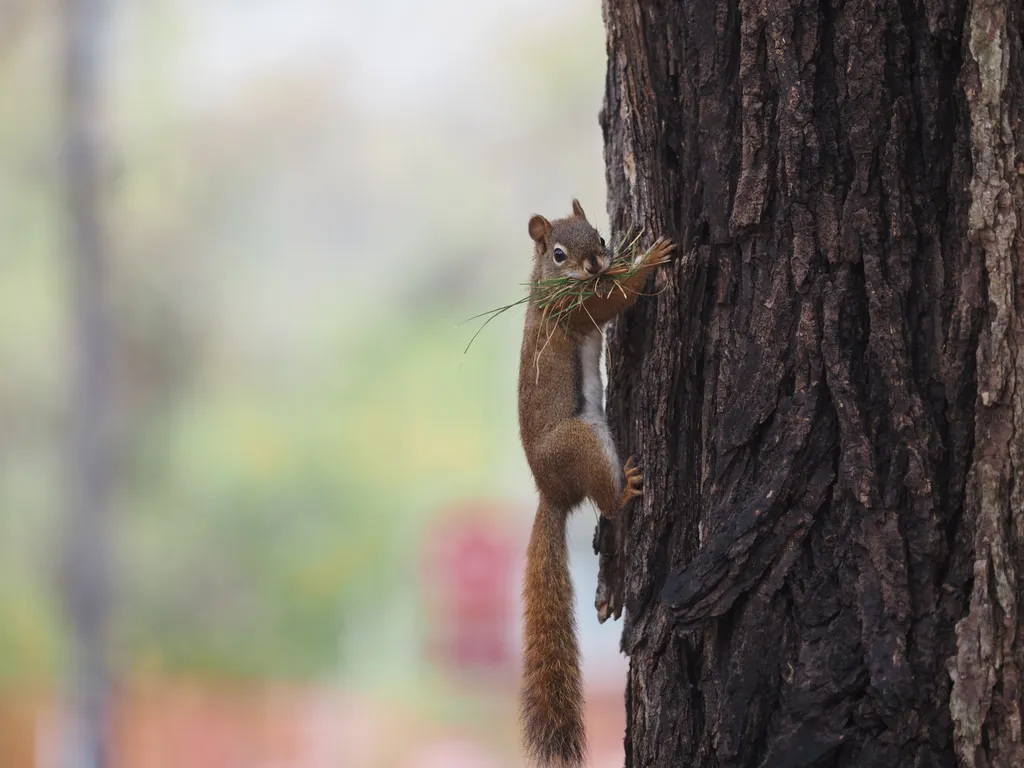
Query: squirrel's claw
[[661, 249], [634, 482]]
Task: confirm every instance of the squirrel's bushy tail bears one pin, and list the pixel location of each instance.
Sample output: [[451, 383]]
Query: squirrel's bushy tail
[[551, 700]]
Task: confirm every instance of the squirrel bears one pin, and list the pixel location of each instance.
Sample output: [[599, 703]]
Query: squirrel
[[572, 456]]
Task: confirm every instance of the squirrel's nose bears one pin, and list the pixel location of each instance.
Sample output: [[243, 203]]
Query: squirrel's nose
[[593, 266]]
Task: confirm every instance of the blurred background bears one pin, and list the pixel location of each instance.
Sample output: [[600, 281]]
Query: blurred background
[[257, 506]]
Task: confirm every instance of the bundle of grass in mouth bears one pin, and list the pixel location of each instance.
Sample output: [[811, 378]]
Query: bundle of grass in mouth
[[559, 297]]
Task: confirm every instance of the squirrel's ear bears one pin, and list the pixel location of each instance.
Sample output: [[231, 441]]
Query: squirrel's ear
[[577, 210], [540, 228]]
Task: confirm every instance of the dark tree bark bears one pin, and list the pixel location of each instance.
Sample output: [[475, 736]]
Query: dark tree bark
[[87, 535], [828, 563]]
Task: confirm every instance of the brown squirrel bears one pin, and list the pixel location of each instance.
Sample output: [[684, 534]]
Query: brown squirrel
[[572, 456]]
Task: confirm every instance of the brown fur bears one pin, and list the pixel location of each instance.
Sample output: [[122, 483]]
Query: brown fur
[[568, 463]]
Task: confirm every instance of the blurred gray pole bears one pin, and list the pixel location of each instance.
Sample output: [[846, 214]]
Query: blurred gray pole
[[83, 743]]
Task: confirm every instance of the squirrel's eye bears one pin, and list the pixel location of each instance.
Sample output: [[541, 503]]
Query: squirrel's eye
[[559, 256], [602, 243]]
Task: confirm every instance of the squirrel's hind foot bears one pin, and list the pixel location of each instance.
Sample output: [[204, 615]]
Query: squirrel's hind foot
[[634, 483]]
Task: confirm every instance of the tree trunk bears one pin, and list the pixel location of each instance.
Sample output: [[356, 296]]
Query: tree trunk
[[86, 560], [827, 564]]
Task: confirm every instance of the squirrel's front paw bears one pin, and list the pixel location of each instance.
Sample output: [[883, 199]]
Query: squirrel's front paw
[[634, 482], [660, 250]]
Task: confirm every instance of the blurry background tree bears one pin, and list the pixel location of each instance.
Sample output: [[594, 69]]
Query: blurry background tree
[[89, 561], [827, 396]]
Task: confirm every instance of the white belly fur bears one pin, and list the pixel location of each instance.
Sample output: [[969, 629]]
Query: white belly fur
[[593, 401]]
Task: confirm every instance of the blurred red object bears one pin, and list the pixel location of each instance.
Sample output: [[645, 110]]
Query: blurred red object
[[470, 561]]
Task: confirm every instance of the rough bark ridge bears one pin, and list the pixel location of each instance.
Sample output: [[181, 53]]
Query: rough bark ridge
[[827, 566]]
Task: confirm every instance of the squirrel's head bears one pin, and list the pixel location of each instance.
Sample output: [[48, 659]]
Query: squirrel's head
[[568, 247]]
